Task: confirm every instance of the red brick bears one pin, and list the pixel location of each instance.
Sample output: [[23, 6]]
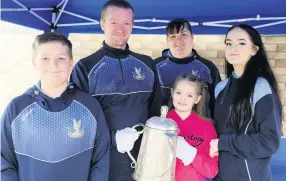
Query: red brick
[[208, 54], [270, 47], [216, 46], [80, 37], [221, 54], [156, 53], [280, 71], [283, 94], [280, 63], [276, 39], [281, 78], [282, 48], [280, 55], [200, 46], [277, 55], [272, 63], [218, 62], [221, 69], [208, 39], [281, 86]]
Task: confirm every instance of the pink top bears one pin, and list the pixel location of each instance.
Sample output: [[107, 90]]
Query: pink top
[[198, 133]]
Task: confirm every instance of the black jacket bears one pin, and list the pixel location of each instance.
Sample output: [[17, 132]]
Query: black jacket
[[126, 86], [246, 155], [169, 68]]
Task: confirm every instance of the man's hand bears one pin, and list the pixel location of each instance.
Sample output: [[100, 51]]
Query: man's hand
[[125, 139]]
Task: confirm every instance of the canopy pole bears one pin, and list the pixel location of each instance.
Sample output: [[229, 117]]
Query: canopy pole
[[79, 16], [270, 24], [216, 25], [26, 9], [60, 3], [78, 24], [61, 11], [30, 11], [54, 16]]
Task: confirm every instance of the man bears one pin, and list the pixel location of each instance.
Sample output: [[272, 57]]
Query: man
[[54, 131], [124, 82], [182, 58]]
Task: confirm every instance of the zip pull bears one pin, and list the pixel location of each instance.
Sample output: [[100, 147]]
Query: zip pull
[[121, 68]]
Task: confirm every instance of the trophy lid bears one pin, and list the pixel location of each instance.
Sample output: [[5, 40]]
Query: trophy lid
[[162, 123]]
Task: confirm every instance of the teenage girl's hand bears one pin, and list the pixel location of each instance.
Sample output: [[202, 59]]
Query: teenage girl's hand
[[214, 148]]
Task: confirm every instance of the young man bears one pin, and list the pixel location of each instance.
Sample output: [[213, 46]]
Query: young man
[[124, 82], [182, 58], [54, 131]]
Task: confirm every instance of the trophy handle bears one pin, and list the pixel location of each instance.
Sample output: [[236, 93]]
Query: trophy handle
[[134, 162]]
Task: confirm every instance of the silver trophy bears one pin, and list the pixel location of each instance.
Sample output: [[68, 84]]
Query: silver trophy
[[157, 159]]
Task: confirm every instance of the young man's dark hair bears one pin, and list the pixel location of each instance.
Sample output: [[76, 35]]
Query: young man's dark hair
[[178, 25], [52, 37], [116, 3]]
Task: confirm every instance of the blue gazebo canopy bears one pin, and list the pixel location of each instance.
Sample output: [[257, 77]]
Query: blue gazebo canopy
[[151, 16]]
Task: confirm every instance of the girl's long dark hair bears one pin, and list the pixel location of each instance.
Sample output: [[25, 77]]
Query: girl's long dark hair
[[257, 66], [201, 109]]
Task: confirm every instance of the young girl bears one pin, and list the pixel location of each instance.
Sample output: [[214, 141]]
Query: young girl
[[196, 130], [248, 110]]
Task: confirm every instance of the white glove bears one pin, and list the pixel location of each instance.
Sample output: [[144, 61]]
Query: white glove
[[125, 139], [185, 151]]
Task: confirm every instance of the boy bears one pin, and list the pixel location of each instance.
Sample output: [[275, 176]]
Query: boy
[[54, 132]]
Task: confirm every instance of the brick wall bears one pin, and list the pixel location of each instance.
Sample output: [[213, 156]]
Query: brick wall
[[208, 46], [16, 72]]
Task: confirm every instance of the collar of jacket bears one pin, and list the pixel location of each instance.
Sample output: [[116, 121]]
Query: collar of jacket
[[65, 98], [115, 52], [186, 60]]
